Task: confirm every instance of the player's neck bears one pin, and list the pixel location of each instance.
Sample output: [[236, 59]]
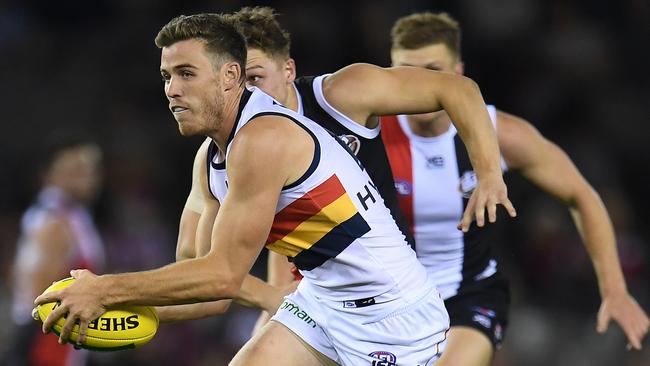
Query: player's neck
[[432, 127], [291, 101], [228, 118]]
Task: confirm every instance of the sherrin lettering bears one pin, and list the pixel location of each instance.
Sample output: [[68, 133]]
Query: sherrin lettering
[[114, 324]]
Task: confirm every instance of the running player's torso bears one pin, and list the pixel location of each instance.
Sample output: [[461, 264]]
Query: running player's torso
[[85, 250], [434, 178], [332, 222], [366, 143]]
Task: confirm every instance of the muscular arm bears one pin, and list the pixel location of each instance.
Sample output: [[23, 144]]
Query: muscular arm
[[548, 167], [362, 91], [258, 169], [197, 221]]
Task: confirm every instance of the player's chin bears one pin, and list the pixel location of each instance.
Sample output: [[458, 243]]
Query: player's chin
[[187, 130]]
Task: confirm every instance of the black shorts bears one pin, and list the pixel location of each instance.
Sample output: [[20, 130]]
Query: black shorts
[[482, 305]]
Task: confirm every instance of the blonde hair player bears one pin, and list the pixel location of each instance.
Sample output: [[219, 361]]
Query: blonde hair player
[[295, 188], [429, 160]]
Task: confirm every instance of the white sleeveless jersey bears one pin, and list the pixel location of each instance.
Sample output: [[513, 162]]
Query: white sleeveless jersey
[[85, 251], [434, 178], [331, 222]]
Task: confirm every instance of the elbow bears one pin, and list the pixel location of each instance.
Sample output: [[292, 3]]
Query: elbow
[[469, 85], [230, 290], [458, 88], [217, 279], [226, 287], [586, 196]]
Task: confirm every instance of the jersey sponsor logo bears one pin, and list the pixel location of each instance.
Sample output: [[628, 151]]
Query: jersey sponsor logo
[[384, 358], [299, 313], [403, 187], [468, 183], [435, 162], [367, 195], [353, 142]]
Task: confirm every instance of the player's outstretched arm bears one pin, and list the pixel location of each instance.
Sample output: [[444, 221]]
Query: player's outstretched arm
[[362, 91], [547, 166], [258, 169]]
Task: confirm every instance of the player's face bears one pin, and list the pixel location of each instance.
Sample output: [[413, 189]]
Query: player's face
[[435, 57], [78, 172], [271, 75], [192, 87]]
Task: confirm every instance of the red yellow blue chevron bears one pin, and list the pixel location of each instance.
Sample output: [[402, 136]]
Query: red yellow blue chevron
[[317, 226]]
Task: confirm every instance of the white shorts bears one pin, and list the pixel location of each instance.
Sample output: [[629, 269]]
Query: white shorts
[[409, 330]]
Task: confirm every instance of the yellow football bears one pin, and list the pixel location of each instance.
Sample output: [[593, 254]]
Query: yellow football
[[122, 327]]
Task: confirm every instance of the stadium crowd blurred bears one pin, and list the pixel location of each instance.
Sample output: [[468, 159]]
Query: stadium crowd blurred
[[577, 70]]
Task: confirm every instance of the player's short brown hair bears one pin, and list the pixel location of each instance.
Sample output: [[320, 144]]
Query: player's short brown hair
[[262, 31], [424, 29], [219, 36]]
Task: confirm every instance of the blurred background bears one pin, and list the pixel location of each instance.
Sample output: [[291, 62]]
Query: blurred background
[[577, 70]]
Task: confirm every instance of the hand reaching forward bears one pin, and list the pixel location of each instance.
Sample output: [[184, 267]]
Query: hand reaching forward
[[489, 192], [623, 309]]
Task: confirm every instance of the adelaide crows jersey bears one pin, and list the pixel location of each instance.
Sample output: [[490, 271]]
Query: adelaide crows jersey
[[332, 222]]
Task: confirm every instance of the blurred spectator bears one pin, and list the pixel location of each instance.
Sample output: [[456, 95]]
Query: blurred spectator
[[57, 235]]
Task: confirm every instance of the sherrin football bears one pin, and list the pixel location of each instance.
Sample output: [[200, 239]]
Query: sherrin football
[[122, 327]]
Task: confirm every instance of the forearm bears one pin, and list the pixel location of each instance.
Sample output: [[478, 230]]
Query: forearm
[[279, 270], [469, 115], [174, 313], [595, 228], [258, 294], [188, 281]]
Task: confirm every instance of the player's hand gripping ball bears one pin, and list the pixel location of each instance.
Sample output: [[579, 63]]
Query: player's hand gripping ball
[[122, 327]]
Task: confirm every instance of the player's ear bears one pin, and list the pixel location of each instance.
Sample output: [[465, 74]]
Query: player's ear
[[290, 70], [231, 73], [460, 68]]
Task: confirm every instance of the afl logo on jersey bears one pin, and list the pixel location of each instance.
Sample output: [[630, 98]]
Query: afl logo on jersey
[[384, 358], [352, 142], [403, 187], [468, 183]]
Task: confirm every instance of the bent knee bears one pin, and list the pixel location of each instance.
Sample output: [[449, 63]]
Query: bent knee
[[466, 346]]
